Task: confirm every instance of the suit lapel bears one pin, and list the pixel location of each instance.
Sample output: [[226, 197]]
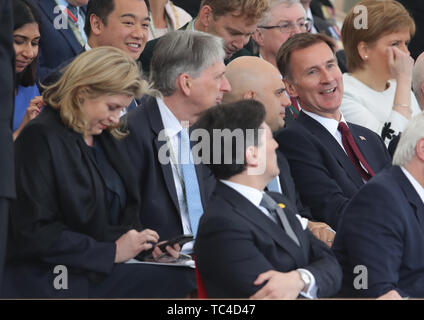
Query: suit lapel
[[49, 9], [332, 145], [156, 124], [254, 215], [411, 194]]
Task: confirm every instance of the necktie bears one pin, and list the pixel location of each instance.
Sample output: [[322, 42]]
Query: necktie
[[72, 13], [273, 185], [354, 153], [295, 107], [278, 213], [191, 185]]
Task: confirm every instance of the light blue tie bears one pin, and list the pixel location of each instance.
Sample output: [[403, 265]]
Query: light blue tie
[[191, 185], [273, 185]]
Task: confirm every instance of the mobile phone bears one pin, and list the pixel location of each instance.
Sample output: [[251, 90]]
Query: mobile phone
[[181, 240]]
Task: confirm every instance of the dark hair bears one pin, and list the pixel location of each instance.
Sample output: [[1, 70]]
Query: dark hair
[[297, 42], [244, 116], [100, 8], [23, 13]]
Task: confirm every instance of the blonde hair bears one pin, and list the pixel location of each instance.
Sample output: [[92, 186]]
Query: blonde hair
[[384, 17], [252, 9], [100, 71]]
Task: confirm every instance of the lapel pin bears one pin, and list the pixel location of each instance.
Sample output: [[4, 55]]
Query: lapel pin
[[362, 138], [281, 205]]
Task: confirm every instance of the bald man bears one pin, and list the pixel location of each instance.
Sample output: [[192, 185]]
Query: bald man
[[255, 78]]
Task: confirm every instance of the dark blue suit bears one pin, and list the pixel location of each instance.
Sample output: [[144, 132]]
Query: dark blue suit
[[57, 45], [382, 229], [159, 202], [236, 242], [323, 173]]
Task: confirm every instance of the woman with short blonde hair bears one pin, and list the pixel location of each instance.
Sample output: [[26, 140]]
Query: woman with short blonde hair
[[77, 199], [377, 89]]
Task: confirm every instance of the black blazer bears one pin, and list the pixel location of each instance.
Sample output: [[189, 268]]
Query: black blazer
[[7, 75], [57, 45], [236, 242], [416, 9], [382, 229], [323, 173], [159, 203]]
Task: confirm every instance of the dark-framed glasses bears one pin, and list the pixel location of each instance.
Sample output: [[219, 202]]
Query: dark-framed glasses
[[286, 27]]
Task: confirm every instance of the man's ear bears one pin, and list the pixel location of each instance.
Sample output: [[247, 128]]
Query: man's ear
[[205, 15], [419, 149], [290, 88], [249, 94], [96, 24], [251, 156], [258, 36], [184, 82]]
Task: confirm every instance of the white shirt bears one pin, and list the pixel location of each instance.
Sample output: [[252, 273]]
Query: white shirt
[[417, 186], [372, 109], [173, 127], [255, 197], [311, 17]]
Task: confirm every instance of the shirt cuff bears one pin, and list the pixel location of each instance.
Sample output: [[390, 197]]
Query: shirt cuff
[[313, 288]]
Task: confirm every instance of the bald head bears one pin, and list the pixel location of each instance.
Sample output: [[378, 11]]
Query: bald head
[[418, 80], [255, 78]]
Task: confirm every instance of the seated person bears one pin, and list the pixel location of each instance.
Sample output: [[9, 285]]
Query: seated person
[[377, 89], [382, 229], [250, 243], [26, 38], [77, 202]]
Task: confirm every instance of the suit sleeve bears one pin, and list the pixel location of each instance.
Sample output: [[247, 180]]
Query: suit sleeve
[[38, 228], [371, 235], [317, 187]]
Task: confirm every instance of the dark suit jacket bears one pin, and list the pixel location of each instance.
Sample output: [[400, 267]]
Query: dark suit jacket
[[236, 242], [147, 54], [61, 216], [382, 229], [7, 75], [159, 203], [58, 45], [323, 173]]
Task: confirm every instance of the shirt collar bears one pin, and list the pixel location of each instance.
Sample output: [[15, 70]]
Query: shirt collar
[[251, 194], [330, 124], [171, 124], [417, 186]]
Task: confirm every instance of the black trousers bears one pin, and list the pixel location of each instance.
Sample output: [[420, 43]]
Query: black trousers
[[4, 218]]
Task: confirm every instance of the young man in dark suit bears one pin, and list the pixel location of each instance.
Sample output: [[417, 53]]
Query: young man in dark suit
[[382, 229], [256, 78], [329, 159], [250, 243], [62, 32], [7, 184], [188, 73]]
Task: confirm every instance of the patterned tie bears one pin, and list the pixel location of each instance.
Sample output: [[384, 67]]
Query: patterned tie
[[279, 214], [72, 13], [273, 185], [191, 185], [354, 153]]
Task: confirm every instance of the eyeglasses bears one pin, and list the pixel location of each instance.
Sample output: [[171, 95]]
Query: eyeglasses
[[304, 26]]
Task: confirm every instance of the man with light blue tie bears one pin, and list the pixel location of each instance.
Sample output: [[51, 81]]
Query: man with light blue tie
[[256, 78], [187, 75]]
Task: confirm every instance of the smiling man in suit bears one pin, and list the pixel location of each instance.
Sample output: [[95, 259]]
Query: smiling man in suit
[[189, 73], [250, 243], [329, 158], [382, 228], [62, 32]]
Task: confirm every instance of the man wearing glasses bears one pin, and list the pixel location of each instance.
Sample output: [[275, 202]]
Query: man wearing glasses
[[284, 19]]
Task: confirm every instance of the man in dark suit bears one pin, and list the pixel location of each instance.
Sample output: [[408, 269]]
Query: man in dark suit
[[250, 243], [255, 78], [7, 184], [62, 32], [222, 19], [329, 159], [188, 71], [382, 229]]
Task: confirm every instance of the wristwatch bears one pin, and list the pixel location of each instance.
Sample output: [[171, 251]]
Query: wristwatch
[[306, 279]]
